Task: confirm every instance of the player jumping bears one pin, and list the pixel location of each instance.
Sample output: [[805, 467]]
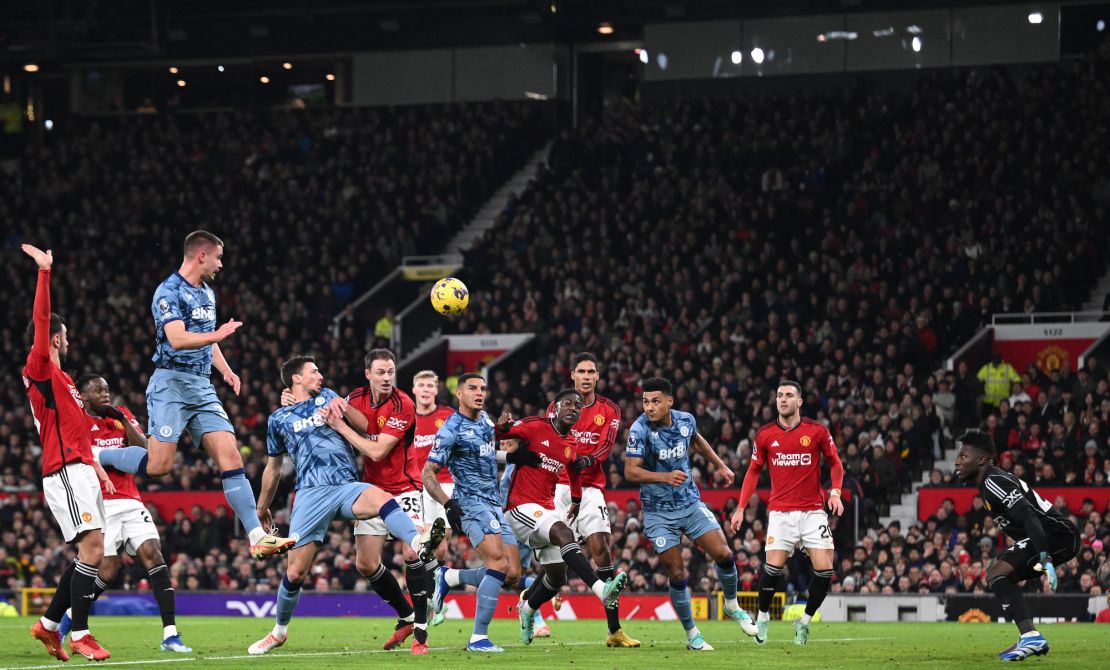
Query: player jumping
[[313, 431], [70, 476], [658, 459], [1043, 537], [180, 395], [792, 447], [530, 508], [594, 434]]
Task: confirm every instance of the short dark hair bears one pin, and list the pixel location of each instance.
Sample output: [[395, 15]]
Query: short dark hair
[[464, 378], [652, 384], [791, 382], [584, 356], [293, 366], [378, 355], [87, 378], [564, 393], [200, 238], [56, 325], [977, 439]]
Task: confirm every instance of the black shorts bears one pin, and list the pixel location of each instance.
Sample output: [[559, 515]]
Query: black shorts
[[1023, 556]]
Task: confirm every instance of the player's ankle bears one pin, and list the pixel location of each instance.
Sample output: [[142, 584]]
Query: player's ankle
[[280, 631], [478, 638], [805, 619], [692, 633], [763, 616], [255, 535], [732, 604]]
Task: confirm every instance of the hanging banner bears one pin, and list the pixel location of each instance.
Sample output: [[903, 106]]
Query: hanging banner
[[1046, 345], [475, 352]]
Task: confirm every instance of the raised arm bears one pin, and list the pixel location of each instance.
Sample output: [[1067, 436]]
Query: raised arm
[[38, 363]]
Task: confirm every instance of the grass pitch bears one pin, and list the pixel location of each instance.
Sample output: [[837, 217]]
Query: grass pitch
[[221, 642]]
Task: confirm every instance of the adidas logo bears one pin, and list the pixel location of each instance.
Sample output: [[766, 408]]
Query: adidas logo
[[775, 443], [95, 427], [545, 443]]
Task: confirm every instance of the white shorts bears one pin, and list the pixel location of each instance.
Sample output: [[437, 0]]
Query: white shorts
[[127, 525], [531, 524], [593, 515], [805, 529], [74, 497], [411, 504], [432, 509]]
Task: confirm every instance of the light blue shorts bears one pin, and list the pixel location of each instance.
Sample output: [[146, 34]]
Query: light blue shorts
[[315, 507], [527, 553], [482, 519], [665, 529], [176, 401]]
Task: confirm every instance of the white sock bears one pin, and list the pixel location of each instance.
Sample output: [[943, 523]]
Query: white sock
[[255, 536], [75, 635], [169, 631], [598, 588], [527, 609], [279, 631], [96, 453], [476, 638], [451, 576], [692, 633], [731, 604], [805, 619], [49, 625], [763, 616], [410, 618], [1031, 633]]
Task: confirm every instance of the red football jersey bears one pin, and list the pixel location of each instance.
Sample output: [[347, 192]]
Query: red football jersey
[[55, 404], [794, 458], [427, 425], [536, 484], [594, 434], [110, 433], [396, 416]]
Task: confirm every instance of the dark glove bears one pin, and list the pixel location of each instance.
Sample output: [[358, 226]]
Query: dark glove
[[454, 515], [582, 463], [523, 456], [110, 412]]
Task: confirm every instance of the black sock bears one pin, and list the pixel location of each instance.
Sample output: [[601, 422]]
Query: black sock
[[60, 602], [577, 561], [417, 580], [768, 584], [1013, 603], [818, 589], [385, 585], [540, 592], [82, 593], [163, 593], [612, 616]]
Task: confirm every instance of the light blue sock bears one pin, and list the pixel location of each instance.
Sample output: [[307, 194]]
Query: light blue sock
[[488, 591], [240, 496], [398, 523], [726, 574], [131, 460], [680, 598], [526, 582], [471, 577], [288, 595]]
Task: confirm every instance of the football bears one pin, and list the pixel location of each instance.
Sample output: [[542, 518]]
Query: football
[[449, 296]]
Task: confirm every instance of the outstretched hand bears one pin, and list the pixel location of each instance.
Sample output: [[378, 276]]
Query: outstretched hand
[[44, 259]]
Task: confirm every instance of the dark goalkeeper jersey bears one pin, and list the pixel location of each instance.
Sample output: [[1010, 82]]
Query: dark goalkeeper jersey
[[1010, 502]]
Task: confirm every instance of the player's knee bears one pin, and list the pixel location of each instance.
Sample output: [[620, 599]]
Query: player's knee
[[295, 573], [151, 553], [366, 566], [501, 564]]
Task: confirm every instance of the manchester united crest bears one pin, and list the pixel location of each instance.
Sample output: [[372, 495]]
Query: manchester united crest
[[806, 441], [599, 420], [568, 452], [439, 423], [381, 421]]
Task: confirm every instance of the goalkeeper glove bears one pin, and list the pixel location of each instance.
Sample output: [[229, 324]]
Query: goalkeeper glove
[[454, 515], [1050, 571], [110, 412]]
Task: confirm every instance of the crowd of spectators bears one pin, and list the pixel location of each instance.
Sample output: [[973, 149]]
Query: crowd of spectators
[[848, 240]]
